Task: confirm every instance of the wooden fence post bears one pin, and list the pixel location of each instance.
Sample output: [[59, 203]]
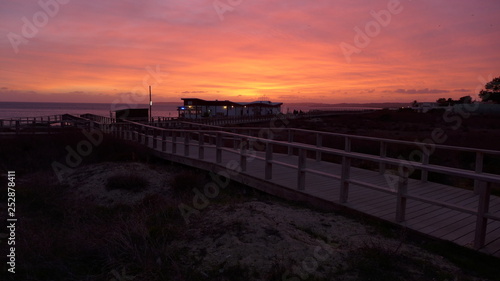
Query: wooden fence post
[[164, 141], [425, 162], [482, 209], [319, 143], [301, 174], [149, 138], [479, 170], [290, 140], [235, 142], [346, 171], [187, 135], [401, 197], [269, 161], [218, 148], [243, 154], [155, 141], [201, 145], [174, 142], [383, 154]]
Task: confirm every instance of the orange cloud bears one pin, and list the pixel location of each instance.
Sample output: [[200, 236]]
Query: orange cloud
[[287, 51]]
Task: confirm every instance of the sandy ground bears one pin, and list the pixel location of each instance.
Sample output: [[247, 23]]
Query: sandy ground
[[265, 238]]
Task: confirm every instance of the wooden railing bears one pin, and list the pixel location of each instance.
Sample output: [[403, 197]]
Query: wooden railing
[[235, 142], [318, 137], [22, 121], [40, 124], [98, 118]]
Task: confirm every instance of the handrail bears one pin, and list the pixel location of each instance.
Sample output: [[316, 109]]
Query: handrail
[[188, 138], [386, 140], [359, 137], [355, 155]]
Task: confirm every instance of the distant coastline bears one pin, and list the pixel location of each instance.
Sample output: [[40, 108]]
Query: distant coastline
[[167, 109]]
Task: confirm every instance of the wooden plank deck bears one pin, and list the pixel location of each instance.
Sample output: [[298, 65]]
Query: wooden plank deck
[[432, 220]]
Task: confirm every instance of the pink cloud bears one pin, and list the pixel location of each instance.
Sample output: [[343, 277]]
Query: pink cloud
[[278, 47]]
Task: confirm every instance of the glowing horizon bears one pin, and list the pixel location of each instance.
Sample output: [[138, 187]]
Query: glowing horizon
[[295, 51]]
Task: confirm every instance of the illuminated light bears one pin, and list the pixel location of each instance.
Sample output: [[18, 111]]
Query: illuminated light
[[183, 108], [151, 103], [225, 107]]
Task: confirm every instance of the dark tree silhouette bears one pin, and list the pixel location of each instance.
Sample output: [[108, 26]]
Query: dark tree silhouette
[[442, 102], [465, 99], [491, 91]]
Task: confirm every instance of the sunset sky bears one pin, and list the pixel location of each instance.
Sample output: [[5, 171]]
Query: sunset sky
[[331, 51]]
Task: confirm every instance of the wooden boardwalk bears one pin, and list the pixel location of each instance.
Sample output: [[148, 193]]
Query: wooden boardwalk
[[297, 171], [322, 181], [469, 218], [42, 125]]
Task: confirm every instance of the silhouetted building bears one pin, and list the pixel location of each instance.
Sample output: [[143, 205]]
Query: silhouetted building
[[194, 108]]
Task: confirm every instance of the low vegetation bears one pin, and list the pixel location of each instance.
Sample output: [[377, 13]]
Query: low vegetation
[[241, 235]]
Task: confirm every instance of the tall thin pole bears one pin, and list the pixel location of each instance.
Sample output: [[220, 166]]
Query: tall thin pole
[[150, 104]]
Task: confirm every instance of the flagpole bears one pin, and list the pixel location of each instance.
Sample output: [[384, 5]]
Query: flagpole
[[150, 105]]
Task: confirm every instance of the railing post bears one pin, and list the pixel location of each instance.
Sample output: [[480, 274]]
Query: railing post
[[218, 148], [383, 154], [201, 145], [479, 170], [155, 141], [151, 133], [243, 154], [235, 142], [319, 143], [269, 161], [187, 135], [163, 140], [346, 171], [290, 140], [210, 139], [174, 142], [401, 199], [301, 174], [425, 162], [481, 221]]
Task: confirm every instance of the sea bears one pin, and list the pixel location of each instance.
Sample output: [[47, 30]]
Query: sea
[[36, 109], [165, 109]]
